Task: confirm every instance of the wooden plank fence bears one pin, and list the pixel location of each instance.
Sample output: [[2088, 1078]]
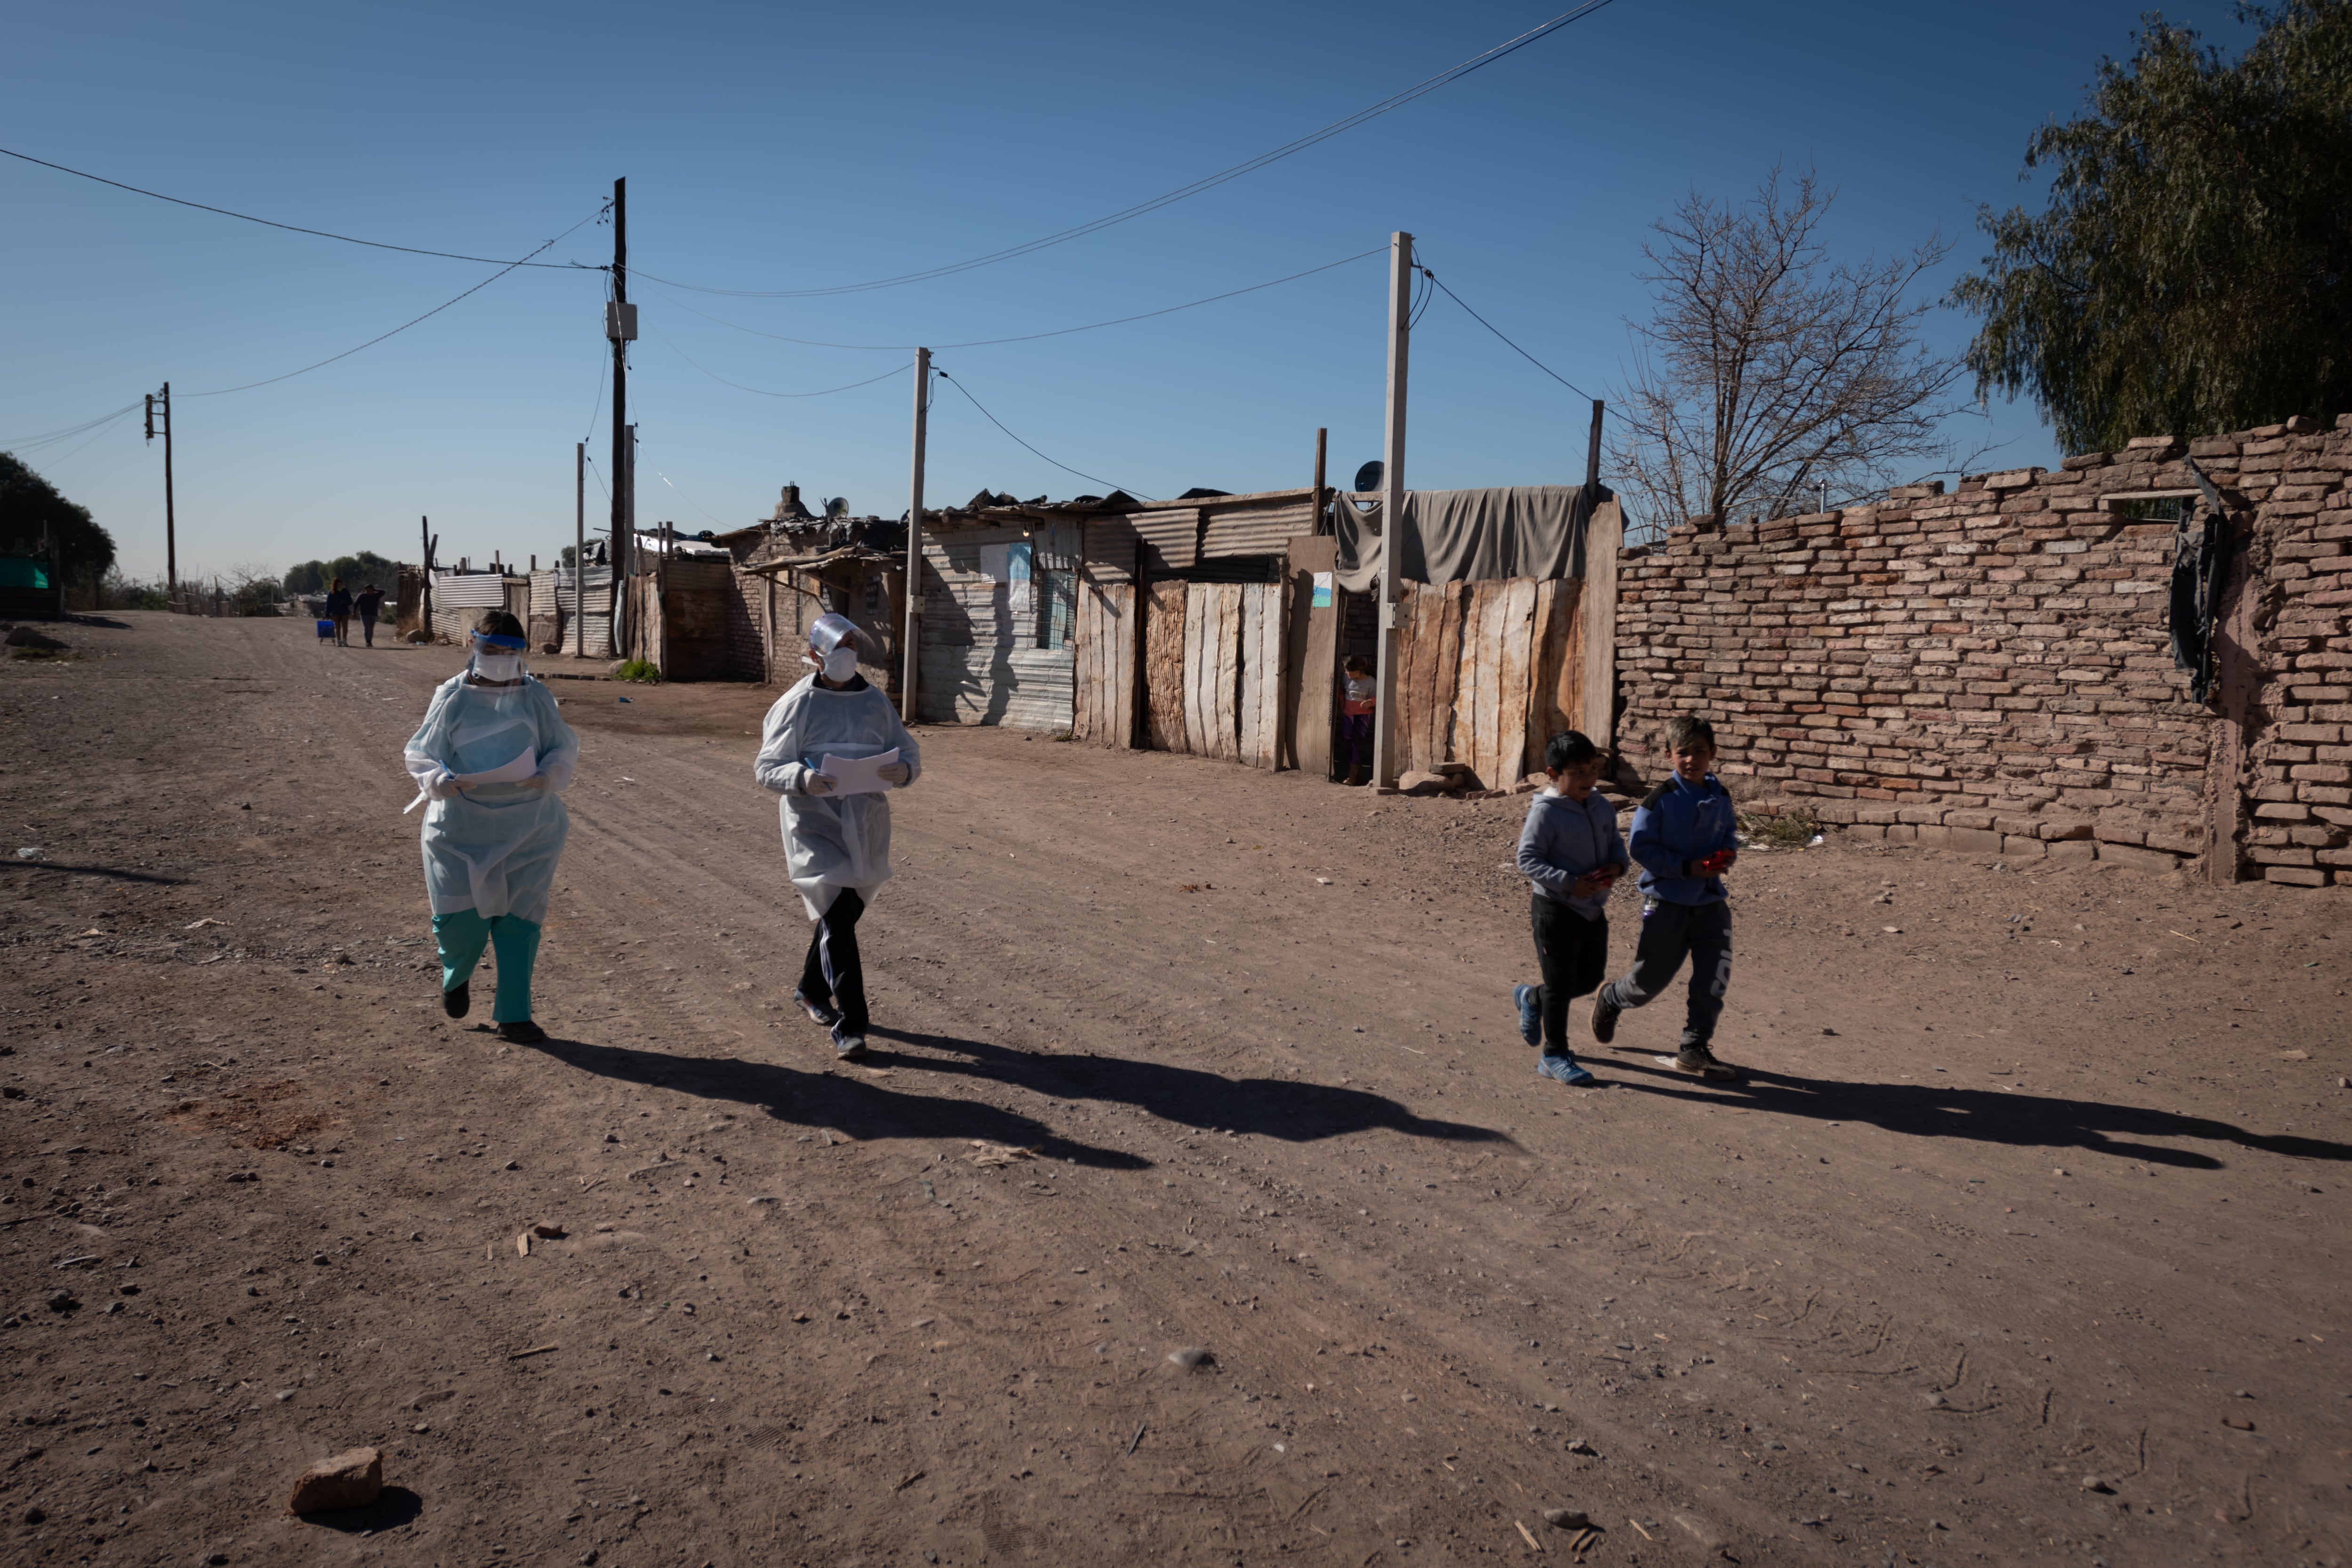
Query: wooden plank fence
[[1486, 673], [1104, 703], [1212, 669]]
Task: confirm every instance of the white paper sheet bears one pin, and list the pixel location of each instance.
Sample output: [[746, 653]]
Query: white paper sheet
[[855, 776], [524, 765]]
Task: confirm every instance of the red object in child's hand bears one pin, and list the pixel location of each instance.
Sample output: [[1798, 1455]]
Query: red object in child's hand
[[1719, 861]]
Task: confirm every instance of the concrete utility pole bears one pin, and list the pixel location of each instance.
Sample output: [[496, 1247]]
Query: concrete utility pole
[[580, 550], [913, 637], [1392, 504], [160, 402], [620, 326]]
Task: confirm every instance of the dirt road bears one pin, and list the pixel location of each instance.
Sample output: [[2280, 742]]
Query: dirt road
[[2026, 1240]]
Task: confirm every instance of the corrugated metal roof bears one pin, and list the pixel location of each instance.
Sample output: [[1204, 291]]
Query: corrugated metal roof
[[1259, 530]]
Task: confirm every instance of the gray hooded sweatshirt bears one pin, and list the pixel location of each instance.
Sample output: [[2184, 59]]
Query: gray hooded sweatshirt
[[1562, 841]]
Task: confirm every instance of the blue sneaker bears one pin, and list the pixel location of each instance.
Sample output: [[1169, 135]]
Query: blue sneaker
[[1565, 1071], [1530, 1014]]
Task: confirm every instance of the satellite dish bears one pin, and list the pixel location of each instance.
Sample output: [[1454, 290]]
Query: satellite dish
[[837, 507], [1369, 477]]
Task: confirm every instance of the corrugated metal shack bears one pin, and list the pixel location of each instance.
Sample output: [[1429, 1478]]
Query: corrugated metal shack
[[1029, 618]]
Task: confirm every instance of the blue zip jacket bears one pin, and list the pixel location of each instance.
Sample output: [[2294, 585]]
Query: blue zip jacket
[[1678, 823], [1562, 841]]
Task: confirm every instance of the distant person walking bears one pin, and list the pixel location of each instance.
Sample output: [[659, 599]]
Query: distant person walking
[[369, 604], [339, 610]]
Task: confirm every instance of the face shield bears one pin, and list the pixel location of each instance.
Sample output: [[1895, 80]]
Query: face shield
[[832, 640], [498, 658]]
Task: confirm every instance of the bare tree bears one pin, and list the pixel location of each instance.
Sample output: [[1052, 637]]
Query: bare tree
[[1770, 372]]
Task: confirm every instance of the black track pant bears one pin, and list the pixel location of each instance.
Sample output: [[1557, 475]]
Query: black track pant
[[1574, 954], [833, 976], [1671, 932]]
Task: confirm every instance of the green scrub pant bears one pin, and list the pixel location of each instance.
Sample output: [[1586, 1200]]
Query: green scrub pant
[[461, 937]]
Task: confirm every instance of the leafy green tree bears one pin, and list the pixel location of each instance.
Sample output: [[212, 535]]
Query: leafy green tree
[[29, 503], [2193, 270], [313, 576]]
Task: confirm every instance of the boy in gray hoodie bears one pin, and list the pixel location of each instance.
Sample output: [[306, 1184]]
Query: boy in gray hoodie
[[1570, 850]]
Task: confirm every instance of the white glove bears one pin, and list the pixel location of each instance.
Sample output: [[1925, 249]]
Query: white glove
[[894, 774], [442, 785], [814, 782]]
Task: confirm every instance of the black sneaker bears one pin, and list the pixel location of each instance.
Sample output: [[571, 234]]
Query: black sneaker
[[1698, 1059], [824, 1018], [1604, 1018], [457, 1000], [848, 1047], [522, 1032]]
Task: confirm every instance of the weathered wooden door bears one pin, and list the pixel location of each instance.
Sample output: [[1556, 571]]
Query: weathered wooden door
[[1311, 671]]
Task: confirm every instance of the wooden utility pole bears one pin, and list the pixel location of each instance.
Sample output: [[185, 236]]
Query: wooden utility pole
[[580, 550], [424, 600], [1392, 505], [160, 402], [620, 326], [1592, 457], [913, 638]]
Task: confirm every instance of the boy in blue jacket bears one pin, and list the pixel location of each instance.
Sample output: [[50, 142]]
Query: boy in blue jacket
[[1571, 851], [1685, 835]]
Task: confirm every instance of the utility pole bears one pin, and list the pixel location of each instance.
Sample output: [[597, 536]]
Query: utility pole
[[579, 548], [424, 601], [1392, 505], [913, 636], [160, 402], [620, 326], [1592, 457]]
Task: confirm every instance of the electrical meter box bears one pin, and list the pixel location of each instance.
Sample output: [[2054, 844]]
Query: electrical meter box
[[620, 322]]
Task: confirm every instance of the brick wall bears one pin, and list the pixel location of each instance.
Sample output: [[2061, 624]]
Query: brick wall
[[1991, 669]]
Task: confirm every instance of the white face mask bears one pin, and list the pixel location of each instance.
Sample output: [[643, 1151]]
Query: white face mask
[[498, 666], [841, 663]]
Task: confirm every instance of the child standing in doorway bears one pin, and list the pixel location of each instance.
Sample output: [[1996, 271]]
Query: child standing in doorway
[[1358, 694], [1685, 836], [1571, 851]]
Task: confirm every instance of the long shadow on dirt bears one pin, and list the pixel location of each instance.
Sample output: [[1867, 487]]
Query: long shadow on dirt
[[846, 1101], [1985, 1116], [1272, 1107]]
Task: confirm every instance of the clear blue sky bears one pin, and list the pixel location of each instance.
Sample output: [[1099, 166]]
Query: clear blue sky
[[794, 145]]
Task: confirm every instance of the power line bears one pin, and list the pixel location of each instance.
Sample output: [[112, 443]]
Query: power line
[[1207, 182], [26, 443], [599, 402], [509, 267], [1498, 332], [1032, 337], [297, 229], [763, 392], [686, 498], [993, 419], [106, 430]]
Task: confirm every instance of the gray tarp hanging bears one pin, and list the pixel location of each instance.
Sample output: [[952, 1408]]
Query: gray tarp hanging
[[1456, 536]]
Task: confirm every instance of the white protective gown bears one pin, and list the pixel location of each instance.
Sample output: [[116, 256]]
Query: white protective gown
[[831, 842], [493, 847]]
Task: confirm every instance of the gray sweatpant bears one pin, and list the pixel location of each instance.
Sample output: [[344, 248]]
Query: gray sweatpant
[[1671, 932]]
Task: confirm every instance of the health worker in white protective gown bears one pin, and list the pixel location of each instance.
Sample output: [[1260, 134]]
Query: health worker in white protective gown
[[834, 748], [491, 757]]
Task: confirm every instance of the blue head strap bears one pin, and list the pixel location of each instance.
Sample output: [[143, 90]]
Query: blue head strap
[[489, 640]]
